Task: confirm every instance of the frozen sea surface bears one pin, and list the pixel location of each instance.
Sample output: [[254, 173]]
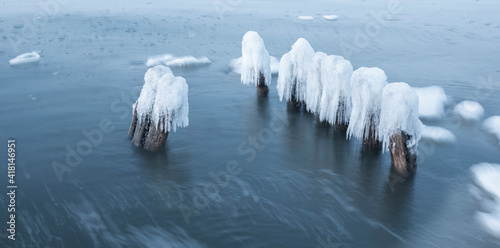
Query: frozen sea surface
[[302, 185]]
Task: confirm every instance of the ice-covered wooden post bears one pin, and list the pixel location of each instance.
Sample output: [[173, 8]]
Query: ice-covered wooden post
[[294, 66], [314, 87], [255, 62], [336, 103], [162, 106], [400, 126], [367, 85]]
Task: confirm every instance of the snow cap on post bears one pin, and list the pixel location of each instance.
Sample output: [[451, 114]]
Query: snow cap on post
[[162, 106], [255, 60], [367, 85], [336, 103], [314, 89], [294, 66], [399, 113]]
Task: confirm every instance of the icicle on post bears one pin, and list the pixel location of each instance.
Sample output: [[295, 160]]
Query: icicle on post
[[314, 88], [367, 85], [336, 103], [292, 76], [162, 106], [400, 126], [255, 62]]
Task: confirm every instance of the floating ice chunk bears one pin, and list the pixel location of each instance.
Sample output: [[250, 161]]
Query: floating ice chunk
[[172, 61], [432, 101], [487, 177], [306, 18], [235, 65], [313, 87], [275, 65], [469, 110], [367, 85], [294, 65], [492, 125], [164, 96], [438, 134], [159, 59], [255, 60], [399, 113], [188, 61], [26, 58], [331, 17], [336, 106]]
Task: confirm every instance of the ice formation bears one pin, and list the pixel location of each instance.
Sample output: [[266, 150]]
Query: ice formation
[[163, 96], [173, 61], [469, 110], [432, 101], [335, 105], [438, 134], [162, 106], [367, 85], [314, 88], [331, 17], [487, 177], [25, 59], [255, 61], [294, 65], [492, 125], [235, 65], [399, 113], [305, 18]]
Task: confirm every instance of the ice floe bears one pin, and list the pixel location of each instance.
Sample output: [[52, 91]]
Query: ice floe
[[330, 17], [492, 125], [432, 101], [26, 58], [173, 61], [305, 18], [469, 110], [487, 177], [438, 134]]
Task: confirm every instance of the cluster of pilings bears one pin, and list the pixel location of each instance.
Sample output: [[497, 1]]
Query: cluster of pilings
[[349, 100]]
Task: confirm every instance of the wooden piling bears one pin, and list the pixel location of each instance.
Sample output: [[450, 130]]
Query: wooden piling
[[404, 160]]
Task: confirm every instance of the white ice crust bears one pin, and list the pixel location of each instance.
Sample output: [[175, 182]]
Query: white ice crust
[[164, 96], [25, 58], [294, 66], [492, 125], [173, 61], [432, 101], [255, 59], [336, 73], [367, 85], [399, 113], [469, 110]]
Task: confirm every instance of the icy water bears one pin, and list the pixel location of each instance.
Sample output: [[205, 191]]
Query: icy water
[[294, 182]]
